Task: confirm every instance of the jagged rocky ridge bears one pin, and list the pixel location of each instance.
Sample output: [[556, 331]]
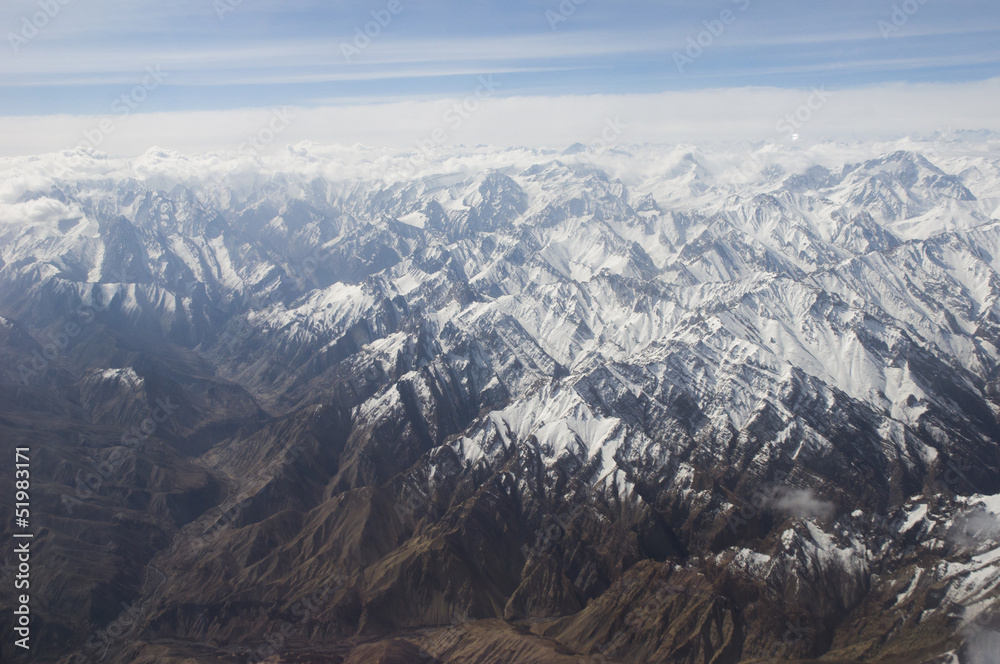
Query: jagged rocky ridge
[[516, 406]]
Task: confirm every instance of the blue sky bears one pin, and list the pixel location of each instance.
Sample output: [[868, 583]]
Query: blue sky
[[260, 52], [241, 54]]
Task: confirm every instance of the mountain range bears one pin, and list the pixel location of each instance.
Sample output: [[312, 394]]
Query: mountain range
[[693, 404]]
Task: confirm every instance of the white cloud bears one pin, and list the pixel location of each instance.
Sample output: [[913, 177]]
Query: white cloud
[[673, 117], [38, 212], [801, 503], [984, 648], [976, 529]]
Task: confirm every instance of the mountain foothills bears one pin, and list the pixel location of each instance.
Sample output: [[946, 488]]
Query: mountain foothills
[[656, 404]]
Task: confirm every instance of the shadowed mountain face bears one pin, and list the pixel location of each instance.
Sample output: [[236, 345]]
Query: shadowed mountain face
[[542, 413]]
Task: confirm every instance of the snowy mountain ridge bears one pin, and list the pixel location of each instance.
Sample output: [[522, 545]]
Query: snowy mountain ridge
[[662, 325]]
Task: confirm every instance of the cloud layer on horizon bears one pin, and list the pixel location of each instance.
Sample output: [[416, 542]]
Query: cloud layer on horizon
[[754, 114]]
